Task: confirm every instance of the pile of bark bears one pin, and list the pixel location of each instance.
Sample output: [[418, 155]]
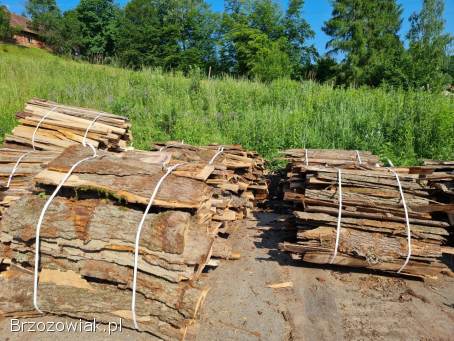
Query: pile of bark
[[237, 178], [373, 230], [87, 242], [65, 126]]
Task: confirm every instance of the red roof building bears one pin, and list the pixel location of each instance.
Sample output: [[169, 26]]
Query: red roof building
[[24, 35]]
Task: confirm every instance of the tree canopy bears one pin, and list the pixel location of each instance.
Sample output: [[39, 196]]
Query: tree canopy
[[260, 39], [5, 28]]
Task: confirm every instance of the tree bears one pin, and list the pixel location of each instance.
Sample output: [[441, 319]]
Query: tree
[[171, 34], [256, 33], [6, 31], [366, 33], [96, 28], [428, 59], [72, 41], [46, 19], [325, 69], [298, 31]]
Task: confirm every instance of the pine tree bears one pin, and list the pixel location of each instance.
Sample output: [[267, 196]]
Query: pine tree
[[428, 60], [366, 34]]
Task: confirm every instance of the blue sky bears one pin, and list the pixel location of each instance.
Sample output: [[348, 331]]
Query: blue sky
[[316, 13]]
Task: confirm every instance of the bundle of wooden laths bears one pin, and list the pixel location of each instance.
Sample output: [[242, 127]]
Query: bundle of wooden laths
[[373, 229], [61, 126], [87, 242], [238, 176]]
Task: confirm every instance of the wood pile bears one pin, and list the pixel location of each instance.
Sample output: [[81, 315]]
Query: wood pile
[[65, 126], [238, 176], [87, 242], [330, 157], [373, 232], [21, 181]]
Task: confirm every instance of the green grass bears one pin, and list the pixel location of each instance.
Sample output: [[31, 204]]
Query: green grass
[[403, 126]]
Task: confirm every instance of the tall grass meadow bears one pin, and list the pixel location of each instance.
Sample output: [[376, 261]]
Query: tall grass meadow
[[402, 126]]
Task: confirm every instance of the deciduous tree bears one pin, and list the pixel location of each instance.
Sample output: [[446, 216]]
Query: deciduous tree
[[5, 28], [428, 61]]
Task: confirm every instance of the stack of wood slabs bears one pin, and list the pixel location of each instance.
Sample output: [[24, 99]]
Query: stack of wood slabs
[[87, 243], [331, 158], [438, 174], [373, 231], [238, 178], [21, 182], [66, 126]]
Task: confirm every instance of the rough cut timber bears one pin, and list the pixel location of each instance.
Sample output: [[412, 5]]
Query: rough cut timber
[[236, 169], [21, 182], [67, 293], [238, 178], [331, 157], [29, 166], [373, 231], [87, 242], [87, 256], [66, 126], [130, 181]]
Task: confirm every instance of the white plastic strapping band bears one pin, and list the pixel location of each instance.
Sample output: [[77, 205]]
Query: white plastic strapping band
[[15, 168], [40, 222], [13, 171], [339, 217], [136, 248], [407, 222], [84, 141], [358, 157], [219, 152], [306, 161], [39, 123], [390, 162], [47, 204]]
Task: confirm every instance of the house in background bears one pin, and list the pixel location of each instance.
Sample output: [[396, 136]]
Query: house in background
[[24, 35]]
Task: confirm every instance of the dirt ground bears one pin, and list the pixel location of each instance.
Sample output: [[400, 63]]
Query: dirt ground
[[321, 304]]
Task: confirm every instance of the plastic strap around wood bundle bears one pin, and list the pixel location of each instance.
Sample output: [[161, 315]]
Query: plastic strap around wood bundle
[[306, 161], [84, 141], [390, 162], [137, 241], [359, 157], [46, 206], [13, 171], [339, 217], [407, 222], [219, 152]]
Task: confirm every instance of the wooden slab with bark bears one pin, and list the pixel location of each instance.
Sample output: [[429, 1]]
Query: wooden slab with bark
[[373, 232]]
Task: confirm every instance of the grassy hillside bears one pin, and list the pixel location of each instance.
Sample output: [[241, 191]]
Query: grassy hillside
[[402, 126]]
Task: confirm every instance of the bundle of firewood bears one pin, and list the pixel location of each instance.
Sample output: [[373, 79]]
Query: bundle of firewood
[[64, 126], [88, 237], [373, 230], [238, 176]]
